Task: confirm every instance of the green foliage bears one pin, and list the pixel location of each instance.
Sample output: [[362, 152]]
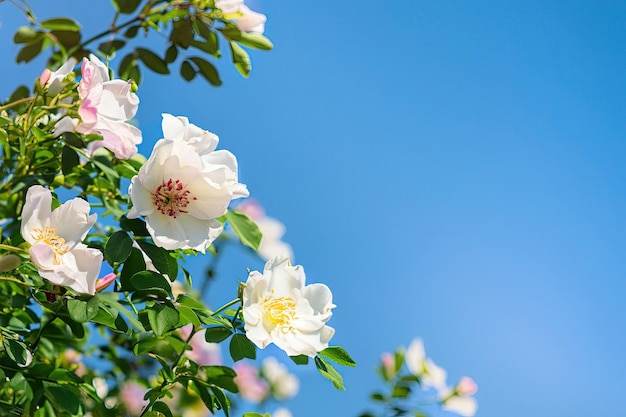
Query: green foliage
[[246, 229], [240, 347], [140, 326]]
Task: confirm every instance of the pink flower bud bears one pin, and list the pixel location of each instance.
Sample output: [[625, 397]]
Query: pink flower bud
[[389, 363], [44, 77], [466, 387], [105, 281]]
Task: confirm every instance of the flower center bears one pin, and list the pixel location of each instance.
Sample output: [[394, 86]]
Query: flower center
[[48, 235], [171, 198], [280, 310]]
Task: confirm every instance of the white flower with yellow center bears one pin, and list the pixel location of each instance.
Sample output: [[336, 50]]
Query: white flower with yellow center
[[56, 238], [278, 308], [184, 186]]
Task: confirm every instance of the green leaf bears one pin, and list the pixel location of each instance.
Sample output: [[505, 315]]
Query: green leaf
[[149, 281], [134, 264], [26, 34], [132, 31], [300, 359], [67, 38], [17, 351], [73, 139], [65, 399], [62, 374], [203, 392], [126, 6], [111, 46], [30, 51], [251, 40], [217, 334], [171, 54], [400, 392], [162, 408], [152, 61], [118, 246], [221, 376], [241, 347], [190, 302], [126, 66], [187, 315], [329, 373], [338, 355], [136, 226], [69, 160], [187, 71], [241, 60], [182, 33], [222, 400], [61, 23], [83, 311], [161, 259], [246, 229], [207, 70], [162, 318]]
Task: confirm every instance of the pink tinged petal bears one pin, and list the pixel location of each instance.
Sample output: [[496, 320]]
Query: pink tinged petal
[[90, 86], [252, 208], [120, 138], [36, 211], [466, 386], [102, 69], [44, 77], [42, 256], [118, 102], [72, 220], [463, 406]]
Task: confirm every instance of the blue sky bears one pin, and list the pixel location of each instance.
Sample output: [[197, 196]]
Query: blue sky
[[452, 170]]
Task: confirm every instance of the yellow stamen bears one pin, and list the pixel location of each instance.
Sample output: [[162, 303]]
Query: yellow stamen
[[48, 235], [280, 310]]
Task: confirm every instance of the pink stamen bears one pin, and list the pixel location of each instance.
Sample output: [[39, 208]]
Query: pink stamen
[[171, 198]]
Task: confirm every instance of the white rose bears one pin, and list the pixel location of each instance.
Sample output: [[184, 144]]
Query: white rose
[[183, 188], [278, 308], [56, 238]]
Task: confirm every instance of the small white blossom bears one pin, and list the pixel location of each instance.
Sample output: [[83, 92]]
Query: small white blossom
[[184, 186], [431, 375], [278, 308], [245, 19], [282, 412], [56, 238], [460, 400], [284, 384], [53, 80]]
